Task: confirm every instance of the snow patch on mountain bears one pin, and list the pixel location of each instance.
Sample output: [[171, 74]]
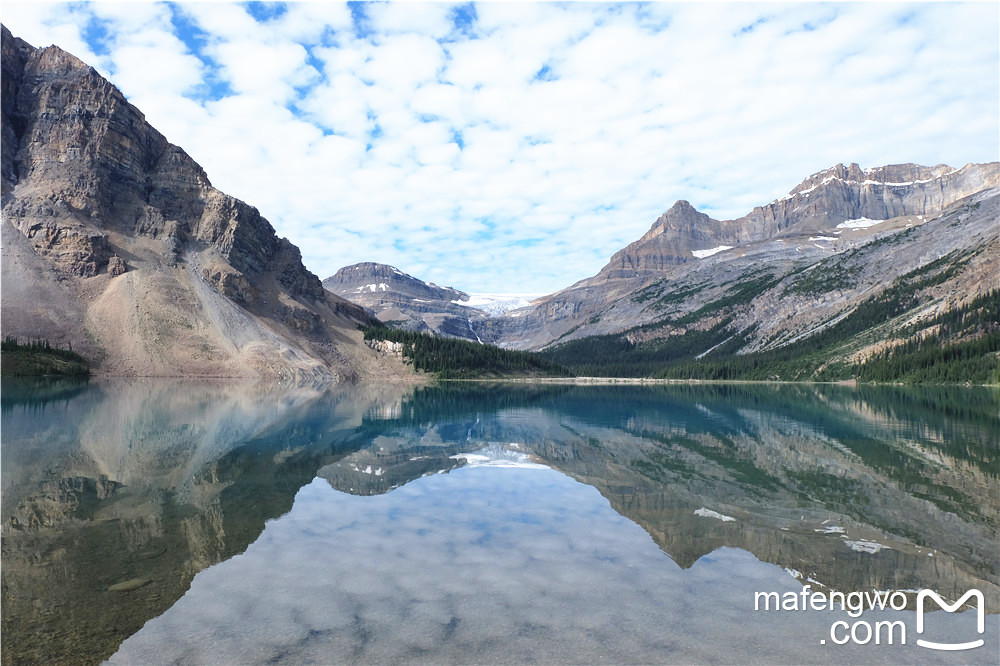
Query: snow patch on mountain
[[374, 287], [701, 254], [708, 513], [860, 223], [497, 455]]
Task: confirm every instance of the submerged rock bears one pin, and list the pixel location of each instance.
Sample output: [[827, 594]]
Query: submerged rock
[[129, 585]]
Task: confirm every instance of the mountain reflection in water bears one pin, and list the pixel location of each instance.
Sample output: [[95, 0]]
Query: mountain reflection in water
[[116, 494]]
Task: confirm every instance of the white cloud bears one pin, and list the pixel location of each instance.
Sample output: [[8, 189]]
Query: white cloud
[[176, 71], [130, 18], [44, 24], [426, 19], [309, 21], [400, 63], [521, 158], [268, 71]]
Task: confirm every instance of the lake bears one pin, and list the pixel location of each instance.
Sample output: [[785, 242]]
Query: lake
[[174, 521]]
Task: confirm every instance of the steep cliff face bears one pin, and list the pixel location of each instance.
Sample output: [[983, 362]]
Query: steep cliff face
[[144, 266], [830, 197]]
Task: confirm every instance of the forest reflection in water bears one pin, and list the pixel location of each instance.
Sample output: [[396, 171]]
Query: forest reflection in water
[[116, 494]]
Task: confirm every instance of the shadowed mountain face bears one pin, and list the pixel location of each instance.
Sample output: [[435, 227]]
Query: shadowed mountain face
[[115, 241], [115, 494]]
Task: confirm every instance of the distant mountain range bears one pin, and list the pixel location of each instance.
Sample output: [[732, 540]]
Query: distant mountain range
[[115, 243], [787, 269], [399, 299], [853, 264]]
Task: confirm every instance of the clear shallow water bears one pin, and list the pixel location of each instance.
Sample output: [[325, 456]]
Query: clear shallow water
[[591, 525]]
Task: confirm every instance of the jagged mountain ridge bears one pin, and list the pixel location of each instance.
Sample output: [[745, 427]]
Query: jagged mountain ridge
[[775, 257], [115, 242], [687, 261], [816, 205]]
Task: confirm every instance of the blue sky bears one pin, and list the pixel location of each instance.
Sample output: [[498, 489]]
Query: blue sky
[[514, 147]]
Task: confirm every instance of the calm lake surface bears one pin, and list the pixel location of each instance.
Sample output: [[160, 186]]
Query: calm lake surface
[[151, 521]]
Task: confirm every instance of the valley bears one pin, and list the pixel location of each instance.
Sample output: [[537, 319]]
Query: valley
[[818, 292], [116, 245]]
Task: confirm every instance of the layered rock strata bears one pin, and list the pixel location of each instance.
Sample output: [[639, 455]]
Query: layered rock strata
[[115, 242]]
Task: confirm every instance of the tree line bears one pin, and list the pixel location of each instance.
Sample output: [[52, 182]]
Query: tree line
[[450, 358], [39, 357]]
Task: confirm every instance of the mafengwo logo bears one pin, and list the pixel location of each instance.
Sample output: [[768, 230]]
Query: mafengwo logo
[[980, 619], [883, 632]]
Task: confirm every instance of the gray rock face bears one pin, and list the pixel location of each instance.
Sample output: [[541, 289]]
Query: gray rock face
[[667, 243], [368, 281], [116, 266], [842, 193], [203, 286], [394, 296], [816, 205]]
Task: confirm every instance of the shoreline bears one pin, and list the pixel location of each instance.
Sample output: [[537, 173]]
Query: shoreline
[[427, 379], [638, 381]]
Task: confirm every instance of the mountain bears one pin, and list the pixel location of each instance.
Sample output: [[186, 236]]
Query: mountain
[[911, 243], [398, 298], [815, 206], [836, 244], [116, 243]]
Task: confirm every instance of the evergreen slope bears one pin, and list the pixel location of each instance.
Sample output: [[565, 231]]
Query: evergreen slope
[[38, 357], [449, 358], [961, 345]]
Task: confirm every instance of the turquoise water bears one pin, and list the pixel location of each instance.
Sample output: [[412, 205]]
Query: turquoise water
[[212, 522]]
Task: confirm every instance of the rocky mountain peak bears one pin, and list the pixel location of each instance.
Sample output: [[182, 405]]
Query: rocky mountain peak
[[395, 296], [817, 205], [682, 217], [374, 278], [115, 241], [842, 193], [668, 242], [667, 272]]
